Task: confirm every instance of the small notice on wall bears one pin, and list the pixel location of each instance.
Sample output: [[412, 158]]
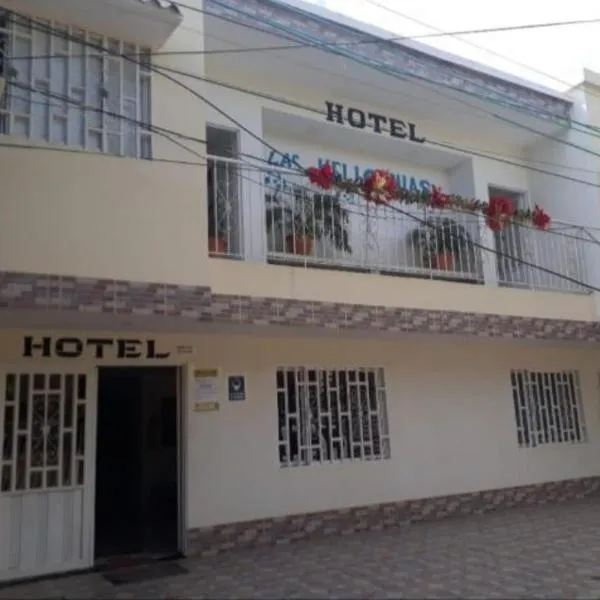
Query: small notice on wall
[[206, 388]]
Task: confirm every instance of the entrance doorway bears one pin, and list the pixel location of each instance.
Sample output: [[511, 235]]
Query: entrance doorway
[[137, 460]]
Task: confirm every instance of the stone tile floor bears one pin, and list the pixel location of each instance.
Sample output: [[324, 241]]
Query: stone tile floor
[[533, 552]]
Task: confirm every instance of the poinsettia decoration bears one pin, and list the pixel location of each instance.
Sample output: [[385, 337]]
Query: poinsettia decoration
[[380, 187]]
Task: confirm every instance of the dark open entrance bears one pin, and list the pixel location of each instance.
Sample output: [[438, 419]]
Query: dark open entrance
[[137, 502]]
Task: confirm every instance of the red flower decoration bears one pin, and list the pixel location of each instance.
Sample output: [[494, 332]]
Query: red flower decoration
[[321, 176], [439, 199], [499, 212], [379, 187], [540, 218]]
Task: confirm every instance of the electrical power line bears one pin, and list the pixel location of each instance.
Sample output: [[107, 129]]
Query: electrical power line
[[302, 169], [442, 144], [372, 39], [393, 11], [491, 156], [333, 48], [421, 81], [467, 42], [586, 128]]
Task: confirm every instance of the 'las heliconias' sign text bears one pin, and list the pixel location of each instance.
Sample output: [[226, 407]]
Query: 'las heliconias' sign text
[[359, 119]]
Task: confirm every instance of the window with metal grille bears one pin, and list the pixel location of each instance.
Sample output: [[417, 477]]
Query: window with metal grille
[[548, 408], [43, 431], [68, 86], [328, 415]]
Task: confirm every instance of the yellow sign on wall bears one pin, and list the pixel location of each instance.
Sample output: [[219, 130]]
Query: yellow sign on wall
[[206, 406]]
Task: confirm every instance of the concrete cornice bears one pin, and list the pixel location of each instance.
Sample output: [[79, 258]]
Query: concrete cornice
[[412, 58]]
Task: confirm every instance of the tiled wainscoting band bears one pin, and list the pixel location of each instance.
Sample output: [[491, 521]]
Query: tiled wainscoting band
[[283, 530], [198, 304]]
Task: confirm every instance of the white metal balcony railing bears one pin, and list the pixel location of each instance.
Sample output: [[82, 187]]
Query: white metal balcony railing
[[273, 214]]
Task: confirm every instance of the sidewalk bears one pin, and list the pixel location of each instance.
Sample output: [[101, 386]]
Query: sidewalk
[[537, 552]]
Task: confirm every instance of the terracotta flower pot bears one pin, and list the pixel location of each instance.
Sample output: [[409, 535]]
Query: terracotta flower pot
[[444, 261], [217, 245], [301, 245]]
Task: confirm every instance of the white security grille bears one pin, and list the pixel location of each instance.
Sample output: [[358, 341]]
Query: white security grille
[[331, 415], [43, 441], [61, 90], [548, 408]]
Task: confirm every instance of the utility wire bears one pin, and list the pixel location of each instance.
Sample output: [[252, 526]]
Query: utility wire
[[302, 169], [594, 129], [331, 46], [420, 81], [441, 144], [467, 42], [586, 128], [168, 133], [424, 222], [488, 154], [373, 39], [478, 108]]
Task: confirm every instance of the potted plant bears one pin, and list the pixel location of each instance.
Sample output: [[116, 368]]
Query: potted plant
[[301, 217], [441, 242], [217, 217]]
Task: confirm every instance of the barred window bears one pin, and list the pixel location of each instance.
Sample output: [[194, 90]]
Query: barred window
[[548, 408], [63, 87], [331, 415]]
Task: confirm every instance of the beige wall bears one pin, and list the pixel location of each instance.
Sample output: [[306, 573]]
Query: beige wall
[[450, 412], [451, 423], [98, 216]]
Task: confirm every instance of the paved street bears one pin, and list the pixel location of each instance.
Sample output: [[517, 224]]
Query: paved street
[[539, 552]]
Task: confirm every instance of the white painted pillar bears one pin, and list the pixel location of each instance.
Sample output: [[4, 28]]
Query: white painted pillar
[[254, 236], [464, 180]]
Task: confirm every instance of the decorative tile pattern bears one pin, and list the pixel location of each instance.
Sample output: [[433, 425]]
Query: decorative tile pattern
[[198, 304], [54, 292], [299, 26], [283, 530]]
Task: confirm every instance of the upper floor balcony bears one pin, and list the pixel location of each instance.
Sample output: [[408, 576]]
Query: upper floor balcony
[[147, 23], [275, 215], [93, 209]]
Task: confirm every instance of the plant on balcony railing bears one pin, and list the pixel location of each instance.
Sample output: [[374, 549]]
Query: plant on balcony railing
[[300, 218], [441, 243]]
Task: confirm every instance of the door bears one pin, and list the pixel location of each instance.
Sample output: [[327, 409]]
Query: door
[[136, 491], [46, 478]]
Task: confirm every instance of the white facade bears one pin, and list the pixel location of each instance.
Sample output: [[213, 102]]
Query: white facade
[[373, 379]]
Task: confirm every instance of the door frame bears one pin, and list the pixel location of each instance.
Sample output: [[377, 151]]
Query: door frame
[[181, 374]]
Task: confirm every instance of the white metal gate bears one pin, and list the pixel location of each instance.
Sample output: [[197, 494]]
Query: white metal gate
[[47, 428]]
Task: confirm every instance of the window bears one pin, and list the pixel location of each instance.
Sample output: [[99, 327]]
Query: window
[[331, 415], [81, 96], [548, 408], [224, 192]]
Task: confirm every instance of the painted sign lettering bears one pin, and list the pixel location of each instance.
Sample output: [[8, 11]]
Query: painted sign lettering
[[359, 119], [288, 160], [74, 347]]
